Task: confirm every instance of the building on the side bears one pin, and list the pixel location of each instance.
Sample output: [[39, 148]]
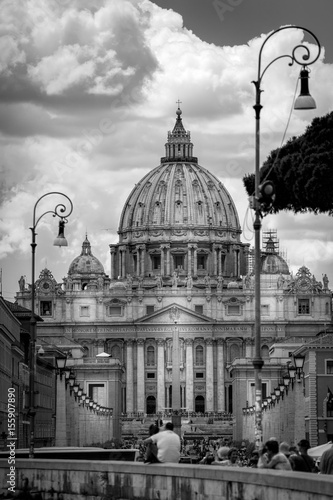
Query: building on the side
[[179, 251]]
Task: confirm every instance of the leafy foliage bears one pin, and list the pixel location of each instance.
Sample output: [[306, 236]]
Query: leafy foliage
[[302, 170]]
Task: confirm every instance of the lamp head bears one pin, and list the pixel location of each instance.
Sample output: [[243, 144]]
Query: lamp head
[[60, 240], [305, 100]]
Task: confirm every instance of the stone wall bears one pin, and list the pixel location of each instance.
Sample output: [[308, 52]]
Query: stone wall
[[96, 480]]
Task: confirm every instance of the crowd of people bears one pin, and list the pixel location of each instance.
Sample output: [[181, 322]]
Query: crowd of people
[[164, 446], [272, 456]]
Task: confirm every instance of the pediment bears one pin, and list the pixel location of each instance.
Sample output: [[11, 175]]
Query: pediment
[[172, 313]]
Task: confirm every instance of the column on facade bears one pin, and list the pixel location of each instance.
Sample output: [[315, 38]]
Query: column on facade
[[137, 272], [189, 260], [215, 251], [248, 348], [236, 260], [162, 260], [129, 377], [160, 375], [140, 376], [143, 258], [189, 375], [209, 375], [168, 264], [195, 260], [112, 254], [220, 375], [122, 261]]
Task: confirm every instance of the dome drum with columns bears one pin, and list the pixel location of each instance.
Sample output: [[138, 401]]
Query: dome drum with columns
[[179, 219]]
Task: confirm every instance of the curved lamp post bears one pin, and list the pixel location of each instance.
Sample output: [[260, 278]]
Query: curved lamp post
[[62, 211], [304, 101]]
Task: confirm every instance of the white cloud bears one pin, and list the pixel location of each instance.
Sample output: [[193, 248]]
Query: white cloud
[[89, 93]]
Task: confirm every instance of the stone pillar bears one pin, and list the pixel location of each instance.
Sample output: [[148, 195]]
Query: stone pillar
[[129, 377], [189, 261], [122, 260], [195, 261], [162, 260], [209, 375], [112, 254], [189, 375], [138, 261], [143, 258], [215, 250], [220, 375], [248, 348], [140, 376], [168, 270], [160, 376]]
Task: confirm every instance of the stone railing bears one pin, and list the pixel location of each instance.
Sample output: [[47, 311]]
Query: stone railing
[[81, 480]]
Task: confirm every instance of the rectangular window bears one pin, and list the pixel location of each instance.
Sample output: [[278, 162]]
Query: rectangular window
[[201, 261], [198, 309], [150, 375], [233, 310], [303, 306], [84, 311], [265, 310], [199, 375], [156, 262], [329, 367], [115, 311], [178, 261], [45, 308], [150, 309]]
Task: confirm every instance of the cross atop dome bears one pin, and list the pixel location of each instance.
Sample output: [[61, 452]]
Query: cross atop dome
[[179, 146]]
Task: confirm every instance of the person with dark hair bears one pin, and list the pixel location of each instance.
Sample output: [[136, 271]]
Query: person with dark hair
[[168, 444], [301, 461], [272, 458], [151, 450]]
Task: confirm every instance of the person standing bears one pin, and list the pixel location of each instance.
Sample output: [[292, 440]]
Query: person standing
[[168, 444], [302, 461]]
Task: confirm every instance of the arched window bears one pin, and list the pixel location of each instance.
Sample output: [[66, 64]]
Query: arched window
[[199, 355], [115, 352], [150, 355], [234, 352]]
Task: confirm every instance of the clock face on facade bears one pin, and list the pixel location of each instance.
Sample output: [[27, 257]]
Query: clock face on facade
[[303, 284], [46, 286]]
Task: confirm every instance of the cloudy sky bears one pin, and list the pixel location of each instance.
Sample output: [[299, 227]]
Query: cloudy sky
[[88, 94]]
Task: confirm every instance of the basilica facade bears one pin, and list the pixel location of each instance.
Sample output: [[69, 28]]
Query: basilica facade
[[181, 267]]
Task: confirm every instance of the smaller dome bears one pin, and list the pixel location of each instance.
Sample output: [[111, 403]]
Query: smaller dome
[[274, 264], [86, 263]]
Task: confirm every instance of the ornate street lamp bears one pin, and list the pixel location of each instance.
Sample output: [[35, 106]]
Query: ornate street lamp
[[267, 191], [62, 211]]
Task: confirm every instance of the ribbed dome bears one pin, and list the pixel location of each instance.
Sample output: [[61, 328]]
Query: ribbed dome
[[271, 261], [179, 194], [274, 264], [86, 263]]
